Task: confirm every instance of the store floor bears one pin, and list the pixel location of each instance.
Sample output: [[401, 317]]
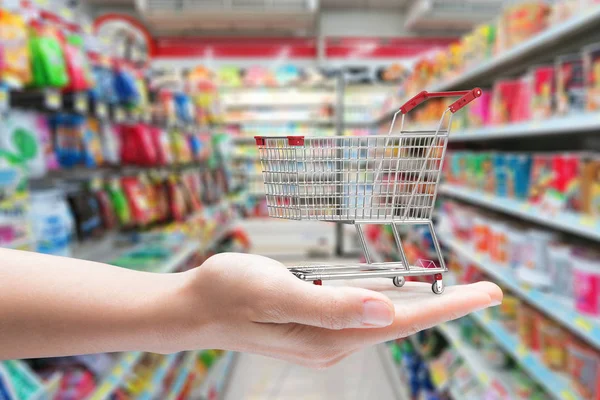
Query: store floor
[[360, 376]]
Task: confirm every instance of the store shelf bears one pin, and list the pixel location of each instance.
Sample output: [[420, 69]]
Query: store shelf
[[155, 385], [578, 224], [545, 45], [587, 328], [485, 374], [393, 372], [187, 250], [187, 365], [116, 376], [556, 384], [571, 125], [528, 53], [216, 377]]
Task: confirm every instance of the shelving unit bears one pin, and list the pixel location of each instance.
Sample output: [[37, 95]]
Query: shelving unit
[[184, 371], [556, 384], [116, 376], [486, 375], [570, 125], [566, 221], [588, 328], [157, 378]]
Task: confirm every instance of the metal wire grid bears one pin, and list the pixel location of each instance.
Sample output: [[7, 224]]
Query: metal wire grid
[[374, 178]]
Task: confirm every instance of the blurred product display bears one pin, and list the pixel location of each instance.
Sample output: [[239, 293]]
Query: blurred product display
[[130, 140]]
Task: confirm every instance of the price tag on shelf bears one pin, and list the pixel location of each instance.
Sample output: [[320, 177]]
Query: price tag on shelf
[[484, 378], [583, 323], [522, 351], [119, 115], [567, 395], [118, 371], [101, 110], [81, 102], [53, 99], [102, 392], [588, 220], [4, 99]]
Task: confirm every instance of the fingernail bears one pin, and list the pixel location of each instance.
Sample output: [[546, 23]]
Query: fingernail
[[377, 313]]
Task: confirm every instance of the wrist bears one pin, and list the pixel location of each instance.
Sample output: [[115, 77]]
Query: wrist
[[177, 314]]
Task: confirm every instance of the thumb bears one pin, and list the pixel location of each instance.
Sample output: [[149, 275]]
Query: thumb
[[334, 307]]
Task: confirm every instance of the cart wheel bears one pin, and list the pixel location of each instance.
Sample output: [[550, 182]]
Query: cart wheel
[[437, 287], [399, 281]]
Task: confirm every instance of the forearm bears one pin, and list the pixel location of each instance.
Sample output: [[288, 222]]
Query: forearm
[[54, 306]]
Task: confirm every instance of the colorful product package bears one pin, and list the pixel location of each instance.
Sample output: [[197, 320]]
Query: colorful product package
[[521, 106], [74, 142], [564, 191], [586, 279], [52, 223], [504, 96], [499, 161], [479, 111], [542, 103], [590, 188], [526, 19], [570, 84], [47, 57], [125, 86], [87, 213], [119, 201], [560, 267], [111, 143], [78, 68], [137, 200], [104, 88], [583, 365], [23, 141], [15, 69], [518, 175], [137, 146], [591, 66], [160, 140], [542, 177], [92, 141]]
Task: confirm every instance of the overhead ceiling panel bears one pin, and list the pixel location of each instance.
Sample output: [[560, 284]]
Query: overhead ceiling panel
[[209, 16], [450, 15]]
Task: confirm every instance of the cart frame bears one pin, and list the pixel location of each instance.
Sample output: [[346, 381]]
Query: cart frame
[[388, 179]]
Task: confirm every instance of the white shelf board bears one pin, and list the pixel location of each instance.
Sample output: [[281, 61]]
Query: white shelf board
[[485, 374], [556, 384], [573, 124], [565, 221], [588, 328]]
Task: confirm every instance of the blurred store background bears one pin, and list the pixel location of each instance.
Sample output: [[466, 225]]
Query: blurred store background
[[127, 136]]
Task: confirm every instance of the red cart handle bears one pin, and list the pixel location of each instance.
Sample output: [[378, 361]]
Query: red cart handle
[[467, 96]]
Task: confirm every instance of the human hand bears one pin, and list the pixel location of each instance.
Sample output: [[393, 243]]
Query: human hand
[[253, 304]]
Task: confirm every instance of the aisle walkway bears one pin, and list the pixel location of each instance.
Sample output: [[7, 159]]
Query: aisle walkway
[[360, 376]]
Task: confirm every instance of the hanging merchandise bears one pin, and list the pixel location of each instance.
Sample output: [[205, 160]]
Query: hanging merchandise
[[111, 142], [229, 77], [22, 142], [125, 85], [78, 68], [52, 223], [189, 189], [15, 69], [137, 147], [104, 89], [107, 213], [47, 56], [176, 199], [69, 140], [88, 216], [137, 200], [119, 201], [160, 141], [184, 108], [181, 147]]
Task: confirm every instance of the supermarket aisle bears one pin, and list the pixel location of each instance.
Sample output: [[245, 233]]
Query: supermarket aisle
[[360, 376]]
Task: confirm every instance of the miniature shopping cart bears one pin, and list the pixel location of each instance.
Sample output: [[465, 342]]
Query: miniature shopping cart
[[387, 180]]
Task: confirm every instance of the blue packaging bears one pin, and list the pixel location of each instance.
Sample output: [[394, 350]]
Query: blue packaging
[[519, 167], [500, 161]]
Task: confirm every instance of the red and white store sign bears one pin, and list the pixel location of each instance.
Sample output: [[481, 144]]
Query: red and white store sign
[[122, 30]]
